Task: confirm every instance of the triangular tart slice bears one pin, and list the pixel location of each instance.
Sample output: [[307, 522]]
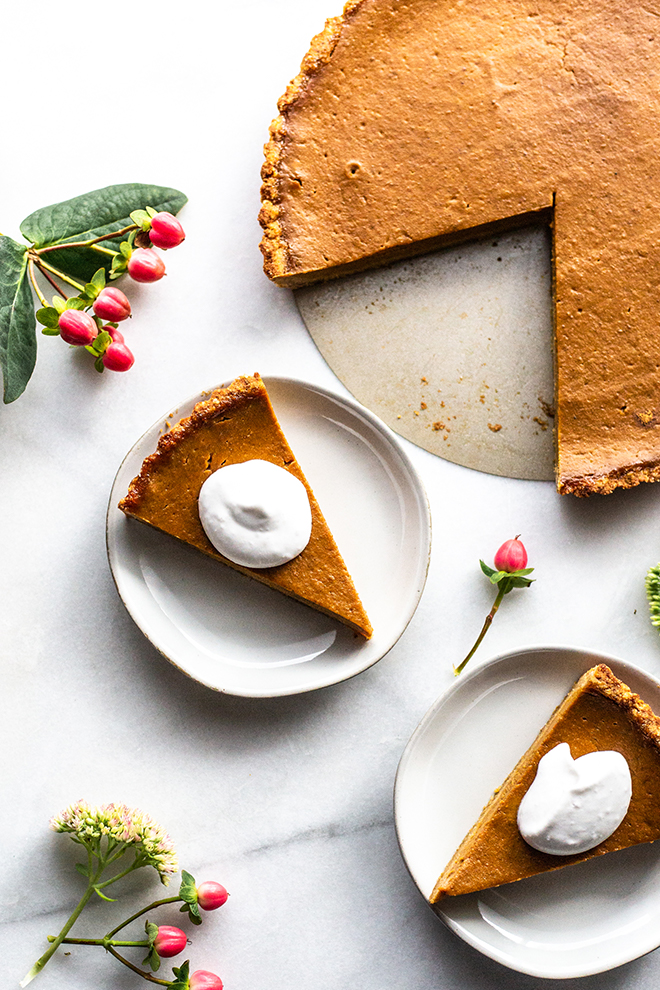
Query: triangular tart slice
[[236, 424], [599, 713]]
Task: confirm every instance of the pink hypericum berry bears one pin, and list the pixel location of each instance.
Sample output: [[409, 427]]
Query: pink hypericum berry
[[77, 327], [115, 333], [112, 304], [511, 556], [211, 895], [201, 979], [144, 265], [170, 941], [166, 231], [118, 358]]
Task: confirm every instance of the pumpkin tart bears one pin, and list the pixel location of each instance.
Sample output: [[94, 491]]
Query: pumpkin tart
[[236, 424], [419, 124], [599, 713]]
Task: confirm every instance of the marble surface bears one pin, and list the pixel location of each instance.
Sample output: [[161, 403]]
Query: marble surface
[[287, 802]]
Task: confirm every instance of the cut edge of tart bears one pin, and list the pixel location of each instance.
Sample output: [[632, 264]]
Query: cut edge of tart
[[599, 712], [237, 423]]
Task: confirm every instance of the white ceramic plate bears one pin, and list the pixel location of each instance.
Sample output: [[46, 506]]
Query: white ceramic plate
[[233, 633], [574, 922]]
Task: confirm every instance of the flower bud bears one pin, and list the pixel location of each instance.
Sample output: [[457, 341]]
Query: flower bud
[[201, 979], [77, 327], [211, 895], [112, 304], [118, 358], [166, 231], [144, 265], [511, 556], [170, 941]]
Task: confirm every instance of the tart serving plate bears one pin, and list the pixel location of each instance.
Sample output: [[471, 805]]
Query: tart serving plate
[[573, 922], [238, 636]]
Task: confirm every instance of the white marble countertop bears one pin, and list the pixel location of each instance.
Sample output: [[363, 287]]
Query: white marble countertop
[[287, 802]]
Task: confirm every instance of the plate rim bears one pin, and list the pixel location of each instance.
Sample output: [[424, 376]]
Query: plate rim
[[417, 488], [591, 657]]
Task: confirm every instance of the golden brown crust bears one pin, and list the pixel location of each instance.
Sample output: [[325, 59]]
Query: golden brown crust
[[219, 402], [599, 712], [237, 423], [273, 243], [605, 484]]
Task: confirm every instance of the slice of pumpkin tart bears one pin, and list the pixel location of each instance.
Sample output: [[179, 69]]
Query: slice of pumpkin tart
[[234, 425], [600, 713]]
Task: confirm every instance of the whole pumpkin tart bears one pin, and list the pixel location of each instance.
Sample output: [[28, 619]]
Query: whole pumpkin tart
[[418, 124]]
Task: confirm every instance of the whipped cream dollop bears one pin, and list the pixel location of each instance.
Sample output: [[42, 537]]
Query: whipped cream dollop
[[574, 805], [256, 513]]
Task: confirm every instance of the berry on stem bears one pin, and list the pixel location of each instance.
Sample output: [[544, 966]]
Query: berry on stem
[[112, 304], [510, 572], [201, 979], [166, 231], [77, 327], [170, 941], [511, 556], [117, 357], [144, 265], [211, 895]]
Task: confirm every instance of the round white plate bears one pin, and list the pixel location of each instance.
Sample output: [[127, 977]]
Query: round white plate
[[578, 921], [233, 633]]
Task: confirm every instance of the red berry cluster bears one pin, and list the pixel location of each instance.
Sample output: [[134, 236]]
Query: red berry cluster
[[98, 333]]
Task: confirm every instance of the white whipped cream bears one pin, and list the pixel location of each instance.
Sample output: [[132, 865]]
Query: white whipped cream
[[256, 514], [574, 805]]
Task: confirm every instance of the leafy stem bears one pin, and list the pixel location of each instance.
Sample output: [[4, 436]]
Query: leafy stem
[[90, 243], [58, 939], [136, 969], [33, 280], [65, 278]]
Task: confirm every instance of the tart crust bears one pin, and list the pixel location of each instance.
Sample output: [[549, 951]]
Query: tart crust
[[415, 125], [236, 424], [600, 712]]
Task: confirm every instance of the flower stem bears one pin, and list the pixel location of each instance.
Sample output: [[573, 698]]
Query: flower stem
[[93, 240], [136, 969], [58, 939], [42, 298], [504, 587], [65, 278], [52, 282], [105, 942], [138, 914]]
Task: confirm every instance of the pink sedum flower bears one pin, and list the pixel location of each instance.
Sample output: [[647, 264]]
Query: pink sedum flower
[[170, 941], [201, 979], [166, 231], [211, 895], [144, 265], [112, 304]]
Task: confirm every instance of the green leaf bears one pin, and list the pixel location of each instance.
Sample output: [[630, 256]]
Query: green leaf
[[91, 215], [48, 316], [152, 213], [520, 582], [59, 304], [498, 576], [488, 571], [152, 932], [75, 302], [82, 870], [103, 896], [188, 888], [50, 333], [152, 959], [18, 326], [141, 218]]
